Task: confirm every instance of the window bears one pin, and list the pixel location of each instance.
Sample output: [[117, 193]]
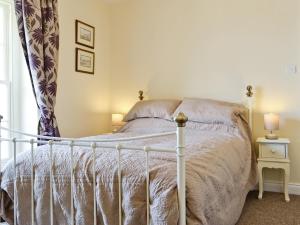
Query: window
[[5, 70], [17, 103]]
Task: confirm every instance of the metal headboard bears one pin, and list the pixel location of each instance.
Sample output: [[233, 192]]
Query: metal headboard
[[249, 95]]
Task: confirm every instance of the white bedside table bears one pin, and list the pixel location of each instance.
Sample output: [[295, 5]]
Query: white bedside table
[[273, 154]]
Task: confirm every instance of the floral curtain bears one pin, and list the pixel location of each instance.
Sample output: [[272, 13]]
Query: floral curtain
[[39, 33]]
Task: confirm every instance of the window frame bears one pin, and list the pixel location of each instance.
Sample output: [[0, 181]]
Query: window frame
[[8, 79]]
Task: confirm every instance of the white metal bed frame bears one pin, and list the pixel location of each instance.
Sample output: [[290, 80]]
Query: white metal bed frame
[[179, 150]]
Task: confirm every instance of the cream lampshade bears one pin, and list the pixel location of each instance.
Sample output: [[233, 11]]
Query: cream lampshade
[[116, 121], [271, 122]]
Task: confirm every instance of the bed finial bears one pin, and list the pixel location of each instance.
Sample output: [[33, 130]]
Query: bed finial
[[181, 119], [249, 91], [141, 95]]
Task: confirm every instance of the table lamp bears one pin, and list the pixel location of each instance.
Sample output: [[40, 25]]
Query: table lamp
[[116, 121], [271, 122]]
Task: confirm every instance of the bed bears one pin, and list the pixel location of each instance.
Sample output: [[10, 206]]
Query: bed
[[220, 171]]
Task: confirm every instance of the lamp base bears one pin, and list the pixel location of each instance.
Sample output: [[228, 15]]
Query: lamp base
[[271, 136]]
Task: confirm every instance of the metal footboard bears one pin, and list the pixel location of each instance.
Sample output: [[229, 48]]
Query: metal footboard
[[179, 150]]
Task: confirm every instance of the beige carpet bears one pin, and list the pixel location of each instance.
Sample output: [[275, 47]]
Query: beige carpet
[[271, 210]]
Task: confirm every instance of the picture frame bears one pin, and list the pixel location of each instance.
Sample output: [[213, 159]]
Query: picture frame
[[85, 34], [84, 61]]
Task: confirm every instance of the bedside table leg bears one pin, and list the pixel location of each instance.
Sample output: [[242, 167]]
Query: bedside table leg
[[286, 182], [261, 182]]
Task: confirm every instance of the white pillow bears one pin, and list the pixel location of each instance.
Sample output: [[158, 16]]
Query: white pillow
[[152, 109]]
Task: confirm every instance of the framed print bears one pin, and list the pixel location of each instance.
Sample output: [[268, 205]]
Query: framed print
[[85, 34], [85, 61]]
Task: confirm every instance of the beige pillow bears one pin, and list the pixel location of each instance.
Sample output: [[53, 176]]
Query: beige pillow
[[211, 111], [152, 109]]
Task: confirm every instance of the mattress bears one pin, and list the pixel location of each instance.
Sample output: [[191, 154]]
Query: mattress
[[220, 171]]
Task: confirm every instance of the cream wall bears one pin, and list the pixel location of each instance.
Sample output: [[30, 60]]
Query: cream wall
[[83, 106], [210, 48]]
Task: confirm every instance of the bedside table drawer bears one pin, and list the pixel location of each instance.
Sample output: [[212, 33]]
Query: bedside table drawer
[[273, 151]]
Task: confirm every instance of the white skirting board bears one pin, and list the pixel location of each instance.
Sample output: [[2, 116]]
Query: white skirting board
[[276, 186]]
